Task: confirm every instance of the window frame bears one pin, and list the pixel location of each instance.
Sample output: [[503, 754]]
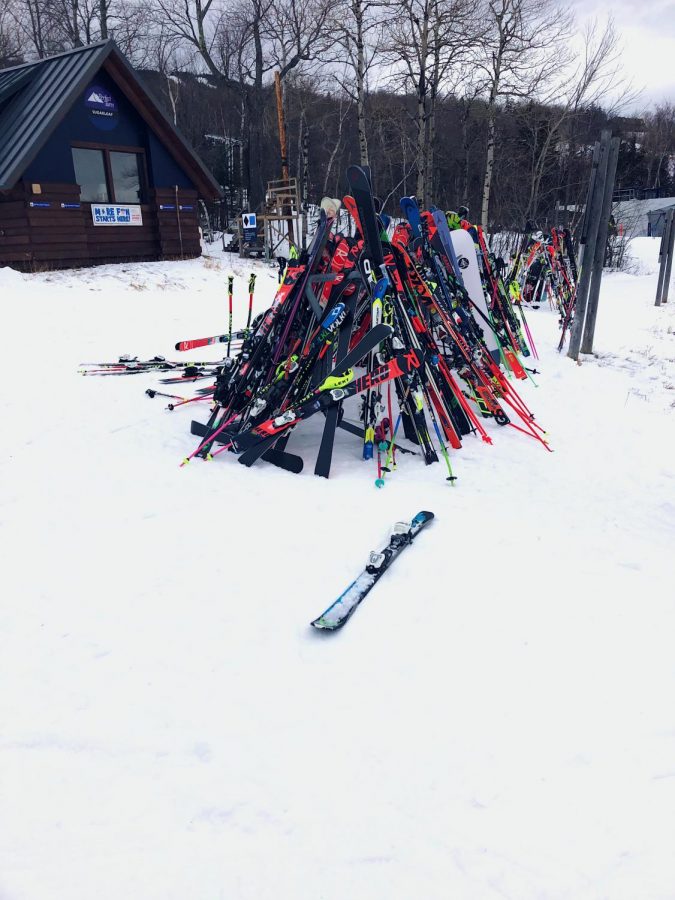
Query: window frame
[[107, 149]]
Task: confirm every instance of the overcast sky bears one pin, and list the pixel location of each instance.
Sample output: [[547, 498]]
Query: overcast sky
[[647, 31]]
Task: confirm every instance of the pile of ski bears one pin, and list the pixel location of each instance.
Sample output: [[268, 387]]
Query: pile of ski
[[408, 338]]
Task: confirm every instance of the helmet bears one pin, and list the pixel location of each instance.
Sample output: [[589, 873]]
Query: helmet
[[463, 212]]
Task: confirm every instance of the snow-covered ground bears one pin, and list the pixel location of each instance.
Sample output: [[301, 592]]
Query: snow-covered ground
[[497, 719]]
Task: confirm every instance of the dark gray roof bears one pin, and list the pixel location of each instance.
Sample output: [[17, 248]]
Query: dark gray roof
[[12, 79], [36, 97]]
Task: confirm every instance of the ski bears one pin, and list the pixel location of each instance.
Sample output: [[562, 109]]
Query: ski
[[266, 431], [334, 389], [240, 335], [404, 533], [280, 458]]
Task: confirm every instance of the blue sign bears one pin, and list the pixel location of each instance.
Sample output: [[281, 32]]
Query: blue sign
[[102, 107], [116, 215], [40, 204], [70, 206], [249, 222]]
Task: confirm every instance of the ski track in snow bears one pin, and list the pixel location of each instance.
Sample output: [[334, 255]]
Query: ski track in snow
[[496, 721]]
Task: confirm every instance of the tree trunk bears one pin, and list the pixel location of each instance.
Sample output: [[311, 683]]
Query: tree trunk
[[421, 145], [422, 123], [361, 84], [103, 17], [304, 168], [489, 165], [464, 184]]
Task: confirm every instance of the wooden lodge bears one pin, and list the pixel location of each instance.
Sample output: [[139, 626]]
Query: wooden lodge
[[91, 169]]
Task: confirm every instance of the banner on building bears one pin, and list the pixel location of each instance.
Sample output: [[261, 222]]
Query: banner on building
[[116, 215]]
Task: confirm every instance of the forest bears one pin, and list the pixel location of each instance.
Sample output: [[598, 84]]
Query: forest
[[494, 105]]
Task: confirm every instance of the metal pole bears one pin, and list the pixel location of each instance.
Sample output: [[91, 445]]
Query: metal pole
[[665, 234], [600, 248], [593, 221], [665, 287]]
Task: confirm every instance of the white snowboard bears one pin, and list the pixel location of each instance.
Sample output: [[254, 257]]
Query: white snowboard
[[465, 249]]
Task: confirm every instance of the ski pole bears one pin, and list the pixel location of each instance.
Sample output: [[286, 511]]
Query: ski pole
[[152, 393], [251, 289], [230, 291], [209, 440], [208, 397]]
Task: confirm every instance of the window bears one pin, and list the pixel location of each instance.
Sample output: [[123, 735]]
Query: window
[[90, 175], [125, 177], [108, 176]]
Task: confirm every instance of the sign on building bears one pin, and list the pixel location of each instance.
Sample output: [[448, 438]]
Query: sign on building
[[116, 215], [249, 223], [102, 107]]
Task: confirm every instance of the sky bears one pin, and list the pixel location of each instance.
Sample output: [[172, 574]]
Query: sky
[[647, 31]]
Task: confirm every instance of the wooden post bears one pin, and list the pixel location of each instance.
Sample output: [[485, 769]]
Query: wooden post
[[600, 248], [282, 145], [583, 231], [594, 204], [661, 285], [669, 263]]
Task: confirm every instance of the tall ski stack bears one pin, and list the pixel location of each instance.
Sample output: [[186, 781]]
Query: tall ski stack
[[407, 339]]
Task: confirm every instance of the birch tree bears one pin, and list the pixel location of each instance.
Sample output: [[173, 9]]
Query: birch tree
[[429, 41], [524, 44], [358, 27]]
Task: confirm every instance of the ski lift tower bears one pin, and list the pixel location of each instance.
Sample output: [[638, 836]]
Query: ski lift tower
[[281, 217]]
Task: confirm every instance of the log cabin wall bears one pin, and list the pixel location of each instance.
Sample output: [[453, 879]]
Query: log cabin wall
[[54, 229]]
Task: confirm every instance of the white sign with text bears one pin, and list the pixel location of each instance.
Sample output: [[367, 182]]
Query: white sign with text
[[116, 215]]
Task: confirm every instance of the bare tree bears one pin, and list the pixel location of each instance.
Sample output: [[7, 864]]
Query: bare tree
[[343, 111], [358, 29], [594, 78], [659, 141], [525, 44], [11, 43], [32, 26], [243, 45], [429, 38]]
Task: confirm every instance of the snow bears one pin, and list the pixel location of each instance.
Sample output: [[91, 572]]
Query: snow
[[496, 720]]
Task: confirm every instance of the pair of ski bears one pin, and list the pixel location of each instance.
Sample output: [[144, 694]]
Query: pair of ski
[[404, 533]]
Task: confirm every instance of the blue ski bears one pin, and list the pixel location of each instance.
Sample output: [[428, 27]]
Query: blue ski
[[404, 534]]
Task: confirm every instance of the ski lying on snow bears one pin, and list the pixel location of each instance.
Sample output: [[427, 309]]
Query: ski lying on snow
[[404, 534]]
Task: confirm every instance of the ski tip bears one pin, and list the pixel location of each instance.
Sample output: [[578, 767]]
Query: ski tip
[[321, 625]]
